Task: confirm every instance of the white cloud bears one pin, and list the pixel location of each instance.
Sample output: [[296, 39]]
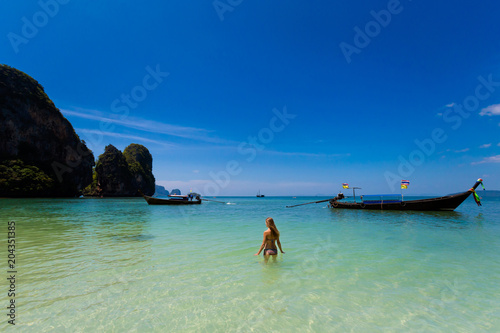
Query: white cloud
[[150, 126], [90, 132], [282, 153], [450, 105], [486, 145], [462, 150], [491, 159], [492, 110], [498, 144]]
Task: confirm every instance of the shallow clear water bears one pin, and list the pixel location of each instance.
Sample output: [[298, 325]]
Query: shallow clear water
[[121, 265]]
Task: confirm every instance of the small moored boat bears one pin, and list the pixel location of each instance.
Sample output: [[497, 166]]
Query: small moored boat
[[175, 200]]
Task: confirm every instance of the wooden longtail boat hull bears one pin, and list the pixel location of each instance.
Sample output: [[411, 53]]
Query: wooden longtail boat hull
[[449, 202], [445, 203], [158, 201]]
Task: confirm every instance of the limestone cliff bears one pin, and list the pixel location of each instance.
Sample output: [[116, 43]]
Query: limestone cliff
[[113, 176], [140, 164], [36, 138], [120, 174]]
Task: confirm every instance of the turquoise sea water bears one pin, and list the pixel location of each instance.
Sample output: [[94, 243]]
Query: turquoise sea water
[[119, 265]]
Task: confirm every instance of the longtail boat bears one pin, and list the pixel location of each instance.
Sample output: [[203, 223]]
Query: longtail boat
[[446, 203], [175, 200]]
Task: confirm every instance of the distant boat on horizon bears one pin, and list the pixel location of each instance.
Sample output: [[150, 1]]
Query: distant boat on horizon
[[260, 195]]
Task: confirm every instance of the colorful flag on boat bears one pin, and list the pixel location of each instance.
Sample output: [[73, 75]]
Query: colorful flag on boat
[[345, 185], [404, 184]]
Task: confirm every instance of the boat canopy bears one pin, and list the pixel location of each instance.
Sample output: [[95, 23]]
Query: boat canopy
[[381, 198]]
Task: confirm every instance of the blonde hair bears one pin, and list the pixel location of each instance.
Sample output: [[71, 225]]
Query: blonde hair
[[274, 231]]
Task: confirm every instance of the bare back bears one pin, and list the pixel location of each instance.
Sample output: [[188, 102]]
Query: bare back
[[270, 240]]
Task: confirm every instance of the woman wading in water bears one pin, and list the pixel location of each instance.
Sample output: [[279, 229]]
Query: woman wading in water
[[271, 238]]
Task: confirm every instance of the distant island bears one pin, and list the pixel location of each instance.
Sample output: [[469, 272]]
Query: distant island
[[161, 191], [175, 191]]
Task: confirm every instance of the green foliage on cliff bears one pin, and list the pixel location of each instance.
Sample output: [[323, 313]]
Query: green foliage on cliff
[[17, 179], [92, 189], [113, 160]]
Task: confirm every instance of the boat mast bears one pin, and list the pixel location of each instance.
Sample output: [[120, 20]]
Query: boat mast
[[354, 192], [404, 186]]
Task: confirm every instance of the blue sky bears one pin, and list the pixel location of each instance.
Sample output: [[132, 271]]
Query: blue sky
[[289, 97]]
